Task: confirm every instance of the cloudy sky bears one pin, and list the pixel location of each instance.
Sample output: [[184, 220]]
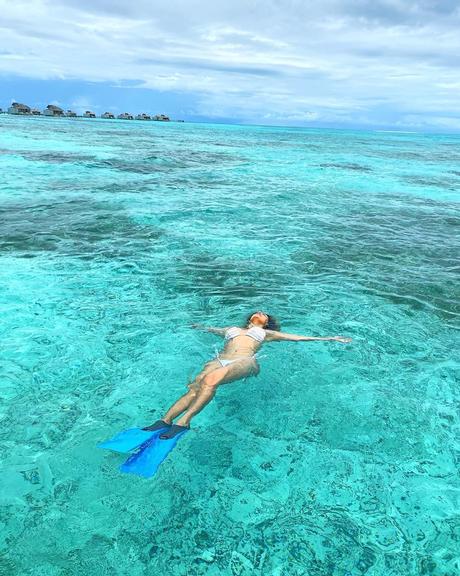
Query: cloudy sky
[[342, 63]]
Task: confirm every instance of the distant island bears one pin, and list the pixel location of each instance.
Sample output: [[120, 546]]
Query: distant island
[[52, 110]]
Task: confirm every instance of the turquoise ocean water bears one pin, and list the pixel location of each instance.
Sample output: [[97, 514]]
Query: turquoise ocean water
[[337, 460]]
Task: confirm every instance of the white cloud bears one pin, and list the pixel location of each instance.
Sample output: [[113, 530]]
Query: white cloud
[[278, 59], [80, 104]]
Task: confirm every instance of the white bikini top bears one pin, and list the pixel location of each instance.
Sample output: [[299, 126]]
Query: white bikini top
[[254, 332]]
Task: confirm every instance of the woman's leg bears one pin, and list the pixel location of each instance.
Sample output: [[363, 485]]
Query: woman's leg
[[186, 399], [211, 381], [179, 406]]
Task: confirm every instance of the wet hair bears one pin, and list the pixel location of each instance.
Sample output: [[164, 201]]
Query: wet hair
[[272, 323]]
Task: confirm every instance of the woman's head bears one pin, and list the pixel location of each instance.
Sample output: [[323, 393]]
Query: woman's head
[[263, 320]]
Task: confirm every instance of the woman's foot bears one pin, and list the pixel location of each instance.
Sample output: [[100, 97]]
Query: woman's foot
[[157, 425], [173, 430]]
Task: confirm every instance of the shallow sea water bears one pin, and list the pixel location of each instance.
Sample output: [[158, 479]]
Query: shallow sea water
[[337, 460]]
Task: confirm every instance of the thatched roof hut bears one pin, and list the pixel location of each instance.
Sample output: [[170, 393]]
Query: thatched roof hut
[[18, 108], [52, 110]]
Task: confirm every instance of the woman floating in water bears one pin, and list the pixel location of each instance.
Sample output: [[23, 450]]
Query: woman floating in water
[[236, 361]]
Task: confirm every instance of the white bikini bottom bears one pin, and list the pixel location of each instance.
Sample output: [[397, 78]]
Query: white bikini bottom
[[224, 362]]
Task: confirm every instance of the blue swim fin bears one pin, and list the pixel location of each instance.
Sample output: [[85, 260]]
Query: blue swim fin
[[145, 461], [128, 440]]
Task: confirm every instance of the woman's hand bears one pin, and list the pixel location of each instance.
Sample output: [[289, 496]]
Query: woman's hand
[[343, 339]]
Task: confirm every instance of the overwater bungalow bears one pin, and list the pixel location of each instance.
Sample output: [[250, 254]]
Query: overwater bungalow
[[108, 115], [35, 112], [18, 108], [52, 110], [70, 114], [161, 118], [143, 117], [125, 116], [89, 114]]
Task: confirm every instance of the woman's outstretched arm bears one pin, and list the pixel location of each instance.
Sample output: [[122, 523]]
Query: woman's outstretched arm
[[218, 331], [274, 336]]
